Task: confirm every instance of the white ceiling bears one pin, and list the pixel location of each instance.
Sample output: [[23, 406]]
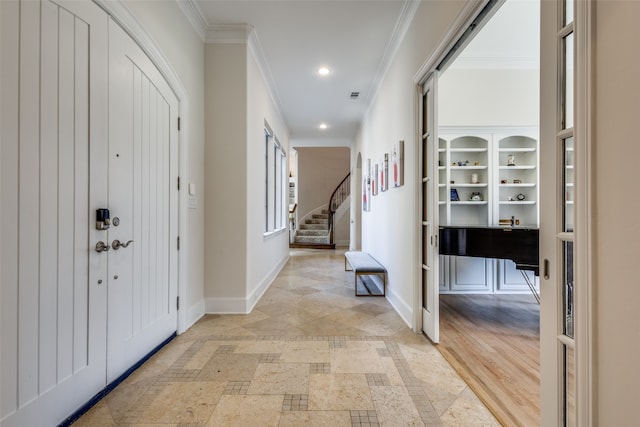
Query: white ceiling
[[356, 39]]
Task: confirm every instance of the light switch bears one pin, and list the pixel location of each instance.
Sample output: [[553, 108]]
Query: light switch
[[192, 189]]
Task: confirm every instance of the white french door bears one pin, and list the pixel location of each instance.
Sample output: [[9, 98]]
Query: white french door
[[429, 212], [143, 201], [87, 123], [564, 308]]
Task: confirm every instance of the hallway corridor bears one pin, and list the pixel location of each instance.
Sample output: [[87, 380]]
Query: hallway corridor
[[310, 354]]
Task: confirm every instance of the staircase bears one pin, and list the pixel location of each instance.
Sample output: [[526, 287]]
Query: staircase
[[317, 231], [314, 232]]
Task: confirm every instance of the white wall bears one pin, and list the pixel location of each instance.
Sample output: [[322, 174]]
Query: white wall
[[615, 212], [265, 255], [390, 229], [226, 176], [489, 97], [320, 171], [240, 262], [184, 51]]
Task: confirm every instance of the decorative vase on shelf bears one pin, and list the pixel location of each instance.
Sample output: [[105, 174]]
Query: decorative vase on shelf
[[511, 160], [476, 197]]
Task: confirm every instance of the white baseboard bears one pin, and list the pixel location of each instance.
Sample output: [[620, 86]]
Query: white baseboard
[[240, 305], [401, 307], [223, 305], [257, 293], [195, 312]]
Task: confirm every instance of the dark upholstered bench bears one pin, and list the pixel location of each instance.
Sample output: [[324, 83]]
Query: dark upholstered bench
[[363, 264]]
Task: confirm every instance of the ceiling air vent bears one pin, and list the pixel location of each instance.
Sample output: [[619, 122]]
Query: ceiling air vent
[[354, 95]]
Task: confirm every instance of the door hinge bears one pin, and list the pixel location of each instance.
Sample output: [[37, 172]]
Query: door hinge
[[177, 303], [178, 123], [178, 242], [178, 183]]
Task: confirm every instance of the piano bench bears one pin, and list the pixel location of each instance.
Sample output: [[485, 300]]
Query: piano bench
[[372, 274]]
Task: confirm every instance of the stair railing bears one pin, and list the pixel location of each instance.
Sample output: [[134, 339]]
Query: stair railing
[[292, 221], [340, 194]]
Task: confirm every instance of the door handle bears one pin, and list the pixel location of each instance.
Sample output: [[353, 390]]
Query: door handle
[[102, 246], [117, 244], [545, 269]]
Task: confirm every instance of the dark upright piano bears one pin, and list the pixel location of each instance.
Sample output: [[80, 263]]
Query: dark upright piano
[[518, 244]]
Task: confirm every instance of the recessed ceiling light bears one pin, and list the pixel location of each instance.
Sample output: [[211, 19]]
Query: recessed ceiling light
[[323, 126], [324, 71]]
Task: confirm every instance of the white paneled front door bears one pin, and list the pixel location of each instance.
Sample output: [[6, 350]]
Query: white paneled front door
[[53, 175], [87, 123], [143, 163]]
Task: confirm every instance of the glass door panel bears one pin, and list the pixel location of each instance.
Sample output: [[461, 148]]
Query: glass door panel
[[567, 45], [567, 292], [569, 184]]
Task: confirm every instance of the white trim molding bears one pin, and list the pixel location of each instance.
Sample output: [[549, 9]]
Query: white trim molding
[[244, 305], [401, 307], [584, 208], [255, 48], [408, 11], [196, 18], [247, 34], [228, 33]]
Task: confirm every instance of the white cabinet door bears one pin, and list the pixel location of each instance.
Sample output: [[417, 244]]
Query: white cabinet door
[[53, 289], [510, 280], [470, 274], [143, 164]]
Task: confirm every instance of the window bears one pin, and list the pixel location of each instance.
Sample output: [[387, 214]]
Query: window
[[275, 183]]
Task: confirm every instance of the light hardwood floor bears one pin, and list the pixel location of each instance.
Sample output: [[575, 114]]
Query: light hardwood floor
[[492, 341]]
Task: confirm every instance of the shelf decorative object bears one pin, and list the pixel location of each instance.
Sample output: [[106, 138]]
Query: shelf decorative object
[[476, 196]]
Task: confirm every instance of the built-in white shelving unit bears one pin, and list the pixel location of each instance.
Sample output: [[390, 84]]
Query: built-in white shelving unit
[[499, 166]]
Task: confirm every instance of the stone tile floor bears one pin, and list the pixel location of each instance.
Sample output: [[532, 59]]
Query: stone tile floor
[[309, 354]]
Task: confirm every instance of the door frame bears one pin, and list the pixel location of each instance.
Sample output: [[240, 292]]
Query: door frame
[[436, 62], [584, 255], [125, 18]]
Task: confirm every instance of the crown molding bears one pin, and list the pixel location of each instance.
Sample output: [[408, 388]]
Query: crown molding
[[255, 48], [247, 34], [409, 9], [194, 15], [228, 33]]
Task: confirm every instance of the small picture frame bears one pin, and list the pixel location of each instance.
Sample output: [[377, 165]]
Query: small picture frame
[[454, 195]]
